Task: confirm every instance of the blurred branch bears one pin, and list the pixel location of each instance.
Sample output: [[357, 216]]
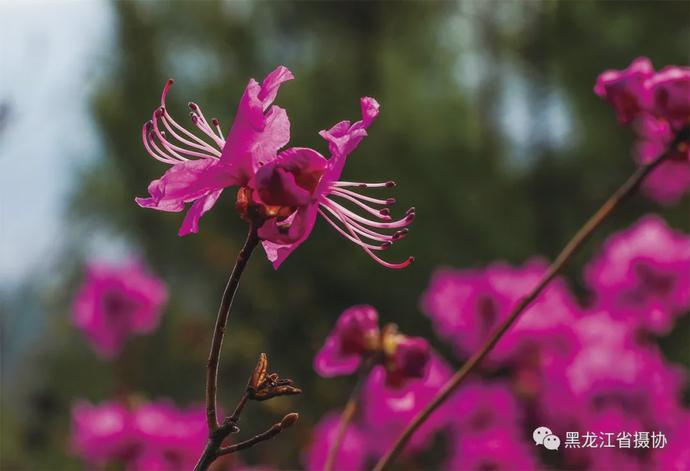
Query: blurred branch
[[348, 413], [627, 189]]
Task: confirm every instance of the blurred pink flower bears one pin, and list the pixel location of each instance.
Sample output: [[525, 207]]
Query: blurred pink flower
[[670, 92], [466, 305], [626, 89], [353, 448], [116, 301], [495, 450], [147, 437], [659, 104], [643, 275], [357, 335], [671, 179], [387, 410], [101, 433], [285, 191], [481, 406], [172, 438]]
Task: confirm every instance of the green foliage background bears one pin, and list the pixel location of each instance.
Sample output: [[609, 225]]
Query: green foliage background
[[480, 196]]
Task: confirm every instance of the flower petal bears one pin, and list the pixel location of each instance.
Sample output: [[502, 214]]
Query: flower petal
[[257, 135], [186, 182], [198, 209], [276, 241], [343, 138]]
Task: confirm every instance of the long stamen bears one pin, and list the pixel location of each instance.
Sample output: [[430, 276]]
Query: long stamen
[[368, 199], [170, 147], [145, 136], [352, 238], [381, 261], [406, 221], [182, 129], [207, 148], [369, 234], [203, 124], [216, 123], [388, 184], [364, 206], [164, 152]]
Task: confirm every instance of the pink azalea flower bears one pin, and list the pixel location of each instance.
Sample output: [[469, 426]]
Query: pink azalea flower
[[496, 449], [643, 275], [675, 456], [670, 91], [283, 190], [671, 179], [356, 336], [479, 407], [115, 302], [387, 410], [612, 370], [626, 89], [353, 448], [173, 438], [659, 104], [467, 305], [101, 433]]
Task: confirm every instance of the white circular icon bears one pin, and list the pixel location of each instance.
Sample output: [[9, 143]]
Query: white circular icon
[[552, 442], [540, 433]]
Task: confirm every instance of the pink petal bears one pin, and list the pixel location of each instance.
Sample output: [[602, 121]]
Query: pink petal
[[344, 138], [186, 182], [272, 240], [198, 209], [331, 362], [257, 135]]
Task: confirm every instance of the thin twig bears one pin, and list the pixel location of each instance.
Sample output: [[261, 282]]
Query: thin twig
[[219, 329], [275, 429], [348, 413], [571, 247], [216, 433]]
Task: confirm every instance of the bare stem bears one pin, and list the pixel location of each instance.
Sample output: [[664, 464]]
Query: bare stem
[[275, 429], [217, 433], [571, 247], [219, 329], [348, 414]]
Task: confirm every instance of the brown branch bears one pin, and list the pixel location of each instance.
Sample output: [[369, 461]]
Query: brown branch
[[571, 247], [348, 413], [275, 429], [219, 329]]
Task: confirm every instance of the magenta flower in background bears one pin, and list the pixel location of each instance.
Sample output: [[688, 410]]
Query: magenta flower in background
[[387, 410], [282, 190], [353, 448], [495, 450], [174, 438], [659, 105], [466, 305], [116, 301], [481, 406], [357, 336], [100, 433], [145, 437], [643, 275], [626, 90]]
